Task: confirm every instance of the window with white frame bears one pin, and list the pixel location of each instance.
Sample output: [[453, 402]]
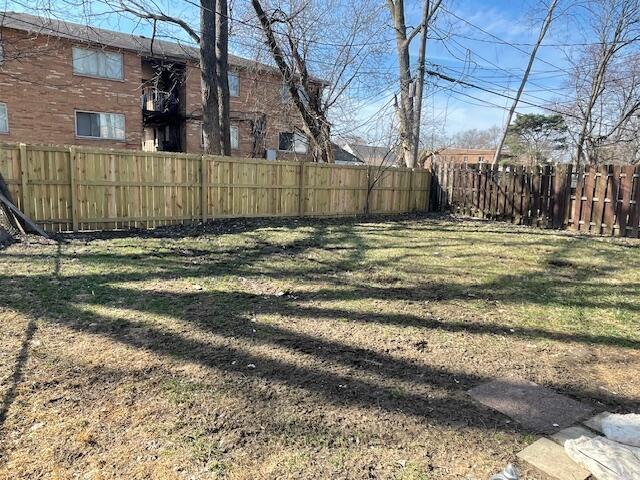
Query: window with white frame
[[97, 63], [4, 118], [234, 84], [100, 125], [292, 142], [235, 139]]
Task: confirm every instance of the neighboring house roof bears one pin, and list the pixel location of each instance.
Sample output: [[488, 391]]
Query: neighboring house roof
[[342, 156], [466, 151], [371, 155], [126, 41]]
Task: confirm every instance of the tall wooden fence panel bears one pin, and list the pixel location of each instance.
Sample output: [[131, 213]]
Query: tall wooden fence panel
[[603, 200], [73, 188]]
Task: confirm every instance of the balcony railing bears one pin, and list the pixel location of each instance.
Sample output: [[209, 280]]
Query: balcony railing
[[154, 100]]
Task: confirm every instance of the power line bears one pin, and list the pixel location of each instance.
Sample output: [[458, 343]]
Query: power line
[[500, 39], [519, 44], [542, 107]]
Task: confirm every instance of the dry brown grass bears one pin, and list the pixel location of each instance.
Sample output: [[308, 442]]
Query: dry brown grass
[[304, 350]]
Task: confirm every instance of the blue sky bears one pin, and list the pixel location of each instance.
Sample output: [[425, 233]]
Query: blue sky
[[482, 56], [494, 56]]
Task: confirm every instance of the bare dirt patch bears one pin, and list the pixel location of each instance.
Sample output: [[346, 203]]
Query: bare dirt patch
[[303, 349]]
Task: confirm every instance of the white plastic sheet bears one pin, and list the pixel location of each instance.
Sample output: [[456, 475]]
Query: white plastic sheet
[[604, 458], [623, 428]]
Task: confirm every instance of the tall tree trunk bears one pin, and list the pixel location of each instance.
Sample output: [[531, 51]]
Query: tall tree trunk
[[543, 31], [404, 108], [419, 86], [427, 14], [222, 63], [208, 78], [409, 108]]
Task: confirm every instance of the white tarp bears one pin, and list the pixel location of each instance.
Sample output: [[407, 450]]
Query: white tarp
[[623, 428], [604, 458]]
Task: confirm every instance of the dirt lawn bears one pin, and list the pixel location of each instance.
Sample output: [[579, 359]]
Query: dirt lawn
[[263, 350]]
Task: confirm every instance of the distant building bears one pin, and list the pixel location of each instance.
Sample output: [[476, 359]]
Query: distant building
[[465, 155], [345, 158], [371, 155]]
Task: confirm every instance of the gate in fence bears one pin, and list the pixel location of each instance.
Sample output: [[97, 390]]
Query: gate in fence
[[603, 200]]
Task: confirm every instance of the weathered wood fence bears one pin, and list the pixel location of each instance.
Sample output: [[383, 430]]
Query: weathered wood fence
[[603, 200], [72, 188]]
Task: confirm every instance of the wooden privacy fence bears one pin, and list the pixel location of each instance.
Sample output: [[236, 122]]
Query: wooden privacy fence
[[604, 200], [72, 188]]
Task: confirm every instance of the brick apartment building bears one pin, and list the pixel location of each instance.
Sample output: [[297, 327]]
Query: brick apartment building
[[64, 83]]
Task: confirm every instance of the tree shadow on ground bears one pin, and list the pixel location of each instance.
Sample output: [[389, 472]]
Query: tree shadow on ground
[[227, 315]]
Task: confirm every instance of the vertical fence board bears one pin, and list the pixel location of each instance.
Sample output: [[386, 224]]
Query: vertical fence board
[[634, 211], [610, 199]]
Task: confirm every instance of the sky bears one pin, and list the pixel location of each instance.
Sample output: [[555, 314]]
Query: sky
[[490, 48], [486, 43]]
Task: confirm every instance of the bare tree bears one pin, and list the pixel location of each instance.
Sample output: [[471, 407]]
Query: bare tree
[[335, 38], [607, 86], [409, 107], [543, 31], [307, 98], [475, 138]]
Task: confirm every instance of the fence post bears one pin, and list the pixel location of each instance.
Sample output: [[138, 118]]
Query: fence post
[[566, 194], [301, 193], [410, 206], [204, 187], [25, 180], [74, 188]]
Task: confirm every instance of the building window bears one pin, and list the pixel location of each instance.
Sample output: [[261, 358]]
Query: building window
[[285, 94], [481, 159], [4, 118], [97, 63], [234, 84], [100, 125], [235, 143], [233, 131], [292, 142]]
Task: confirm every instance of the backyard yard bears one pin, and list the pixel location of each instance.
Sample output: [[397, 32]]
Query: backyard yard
[[303, 349]]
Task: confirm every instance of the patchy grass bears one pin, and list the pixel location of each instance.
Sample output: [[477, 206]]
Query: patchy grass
[[303, 349]]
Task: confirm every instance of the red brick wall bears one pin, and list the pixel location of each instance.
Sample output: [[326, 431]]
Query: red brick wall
[[259, 92], [42, 93]]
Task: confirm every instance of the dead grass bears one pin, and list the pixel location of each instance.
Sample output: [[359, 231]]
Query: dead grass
[[303, 350]]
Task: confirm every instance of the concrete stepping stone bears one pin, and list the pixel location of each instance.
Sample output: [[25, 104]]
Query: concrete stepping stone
[[571, 433], [595, 422], [534, 407], [550, 458]]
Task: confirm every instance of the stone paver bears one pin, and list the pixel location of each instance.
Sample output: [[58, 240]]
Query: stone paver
[[550, 458], [534, 407], [571, 433], [595, 422]]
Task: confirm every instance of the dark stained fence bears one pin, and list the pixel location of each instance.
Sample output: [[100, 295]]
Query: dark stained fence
[[603, 200]]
